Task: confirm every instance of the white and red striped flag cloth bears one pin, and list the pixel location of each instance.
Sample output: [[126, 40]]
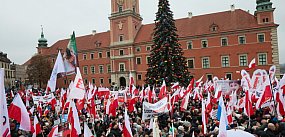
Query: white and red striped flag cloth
[[251, 65], [87, 131], [18, 111], [53, 132], [4, 126], [78, 90], [37, 127], [127, 131]]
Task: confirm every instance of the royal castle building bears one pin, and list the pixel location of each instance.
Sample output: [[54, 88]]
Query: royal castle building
[[215, 44]]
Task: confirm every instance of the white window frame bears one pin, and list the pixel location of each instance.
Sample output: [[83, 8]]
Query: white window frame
[[121, 37], [85, 67], [206, 42], [120, 52], [266, 59], [99, 54], [226, 38], [84, 56], [91, 55], [239, 39], [230, 74], [120, 67], [101, 66], [193, 62], [222, 63], [107, 54], [101, 80], [138, 49], [203, 62], [109, 68], [147, 48], [140, 76], [93, 79], [240, 60], [93, 69], [258, 34], [207, 76], [109, 80], [190, 41], [146, 58], [137, 60]]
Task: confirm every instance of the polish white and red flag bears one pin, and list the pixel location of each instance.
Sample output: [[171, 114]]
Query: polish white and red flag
[[37, 127], [78, 90], [53, 132], [18, 112], [132, 101], [57, 68], [280, 103], [265, 98], [4, 126], [102, 91], [74, 120], [251, 65], [87, 131], [184, 103], [127, 131], [162, 92], [204, 117]]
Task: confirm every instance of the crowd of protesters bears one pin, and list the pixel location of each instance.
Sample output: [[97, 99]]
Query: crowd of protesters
[[186, 123]]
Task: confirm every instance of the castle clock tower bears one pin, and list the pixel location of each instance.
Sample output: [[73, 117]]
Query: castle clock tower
[[125, 22]]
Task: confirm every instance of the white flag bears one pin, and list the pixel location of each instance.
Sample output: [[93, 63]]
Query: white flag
[[57, 68], [4, 126], [78, 90]]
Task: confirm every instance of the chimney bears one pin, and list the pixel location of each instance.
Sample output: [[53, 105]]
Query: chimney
[[93, 32], [233, 7], [190, 15]]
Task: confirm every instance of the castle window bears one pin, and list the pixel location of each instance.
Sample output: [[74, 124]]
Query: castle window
[[189, 45], [139, 77], [241, 39], [120, 7], [225, 61], [121, 37], [100, 54], [85, 70], [243, 60], [122, 67], [190, 63], [262, 59], [92, 56], [204, 43], [84, 56], [260, 38], [205, 62], [148, 48], [224, 41], [121, 52], [108, 54]]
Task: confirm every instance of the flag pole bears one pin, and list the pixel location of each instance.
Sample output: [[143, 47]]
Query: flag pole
[[272, 98]]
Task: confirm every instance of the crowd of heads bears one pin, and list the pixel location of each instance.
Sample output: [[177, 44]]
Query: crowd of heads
[[179, 123]]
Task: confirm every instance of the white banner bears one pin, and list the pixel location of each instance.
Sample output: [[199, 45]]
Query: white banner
[[150, 110], [228, 85], [43, 99]]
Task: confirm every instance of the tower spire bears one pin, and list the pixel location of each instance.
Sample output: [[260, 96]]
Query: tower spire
[[42, 41]]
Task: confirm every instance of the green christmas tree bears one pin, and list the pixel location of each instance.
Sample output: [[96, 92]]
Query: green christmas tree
[[166, 58]]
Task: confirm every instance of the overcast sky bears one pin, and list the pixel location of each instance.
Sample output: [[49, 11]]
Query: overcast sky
[[21, 20]]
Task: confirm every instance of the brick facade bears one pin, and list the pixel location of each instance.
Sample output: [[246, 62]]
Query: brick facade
[[217, 44]]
